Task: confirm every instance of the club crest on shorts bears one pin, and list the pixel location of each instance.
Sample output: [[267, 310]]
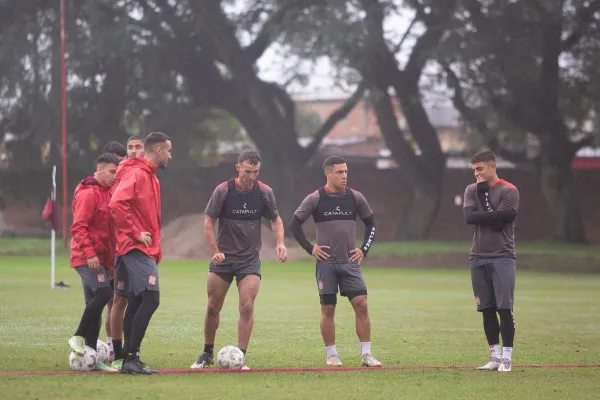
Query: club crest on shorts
[[120, 285], [100, 278], [477, 300], [152, 280], [320, 283]]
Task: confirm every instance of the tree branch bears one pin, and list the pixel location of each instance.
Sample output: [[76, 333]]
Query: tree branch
[[334, 118], [583, 17], [477, 120], [284, 100]]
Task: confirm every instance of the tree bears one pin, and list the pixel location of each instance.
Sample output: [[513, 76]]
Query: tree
[[199, 40], [521, 68], [352, 34]]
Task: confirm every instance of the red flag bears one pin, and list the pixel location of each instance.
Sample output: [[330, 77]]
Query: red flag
[[51, 214]]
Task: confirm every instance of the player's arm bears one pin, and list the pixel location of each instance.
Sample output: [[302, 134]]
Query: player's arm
[[368, 218], [506, 212], [272, 213], [83, 212], [121, 206], [209, 233], [300, 216], [213, 211]]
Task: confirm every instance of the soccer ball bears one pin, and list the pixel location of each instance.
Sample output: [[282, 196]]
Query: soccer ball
[[83, 363], [230, 357], [102, 351]]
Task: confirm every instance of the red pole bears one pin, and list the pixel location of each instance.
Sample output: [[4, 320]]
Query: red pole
[[64, 119]]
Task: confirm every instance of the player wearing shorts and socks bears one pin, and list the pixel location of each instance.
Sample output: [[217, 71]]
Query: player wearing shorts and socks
[[334, 208], [136, 209], [239, 205], [491, 206], [92, 251]]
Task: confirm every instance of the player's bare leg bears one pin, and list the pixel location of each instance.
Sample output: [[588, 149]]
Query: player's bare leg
[[108, 327], [363, 330], [116, 323], [248, 290], [328, 334], [216, 288]]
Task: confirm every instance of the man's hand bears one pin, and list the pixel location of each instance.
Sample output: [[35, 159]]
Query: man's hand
[[356, 255], [145, 238], [93, 263], [111, 273], [281, 252], [218, 258], [319, 253], [479, 179]]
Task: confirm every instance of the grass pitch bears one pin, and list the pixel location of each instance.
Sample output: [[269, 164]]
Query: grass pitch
[[420, 317]]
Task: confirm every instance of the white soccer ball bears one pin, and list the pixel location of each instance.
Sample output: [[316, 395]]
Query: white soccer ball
[[102, 351], [230, 357], [83, 363]]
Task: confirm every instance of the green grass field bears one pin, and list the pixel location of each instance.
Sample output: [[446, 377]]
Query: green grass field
[[420, 317]]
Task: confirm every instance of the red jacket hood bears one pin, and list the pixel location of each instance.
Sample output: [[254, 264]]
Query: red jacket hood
[[137, 162], [90, 183]]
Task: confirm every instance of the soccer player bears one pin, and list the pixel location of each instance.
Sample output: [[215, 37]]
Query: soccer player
[[92, 250], [118, 150], [239, 205], [135, 148], [115, 148], [334, 208], [135, 207], [491, 204]]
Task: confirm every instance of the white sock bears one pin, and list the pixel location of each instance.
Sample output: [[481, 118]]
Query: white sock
[[109, 343], [330, 350], [365, 348], [495, 351], [507, 353]]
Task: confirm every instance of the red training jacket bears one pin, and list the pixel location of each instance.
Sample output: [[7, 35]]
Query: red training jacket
[[135, 208], [91, 232]]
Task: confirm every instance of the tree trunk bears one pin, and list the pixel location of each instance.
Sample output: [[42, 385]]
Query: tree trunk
[[420, 213], [558, 187]]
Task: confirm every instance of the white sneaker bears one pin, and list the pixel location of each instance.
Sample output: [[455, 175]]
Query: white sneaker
[[369, 361], [505, 366], [245, 367], [334, 361], [491, 365]]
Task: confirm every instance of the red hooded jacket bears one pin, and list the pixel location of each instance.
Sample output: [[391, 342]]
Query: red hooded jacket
[[91, 232], [135, 207]]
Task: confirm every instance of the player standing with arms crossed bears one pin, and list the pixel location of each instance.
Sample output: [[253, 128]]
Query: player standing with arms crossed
[[239, 205], [334, 208], [136, 209], [92, 250], [491, 205]]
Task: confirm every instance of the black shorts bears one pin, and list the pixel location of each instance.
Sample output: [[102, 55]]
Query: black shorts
[[493, 282], [238, 271], [345, 275], [142, 271], [92, 280], [121, 278]]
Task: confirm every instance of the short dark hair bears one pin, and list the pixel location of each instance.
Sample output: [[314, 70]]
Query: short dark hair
[[135, 137], [250, 156], [115, 148], [333, 160], [155, 138], [483, 156], [108, 158]]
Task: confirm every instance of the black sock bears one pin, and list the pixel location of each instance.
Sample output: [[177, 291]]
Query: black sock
[[133, 304], [491, 326], [118, 347], [243, 351], [89, 326], [150, 302], [507, 327], [209, 348]]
